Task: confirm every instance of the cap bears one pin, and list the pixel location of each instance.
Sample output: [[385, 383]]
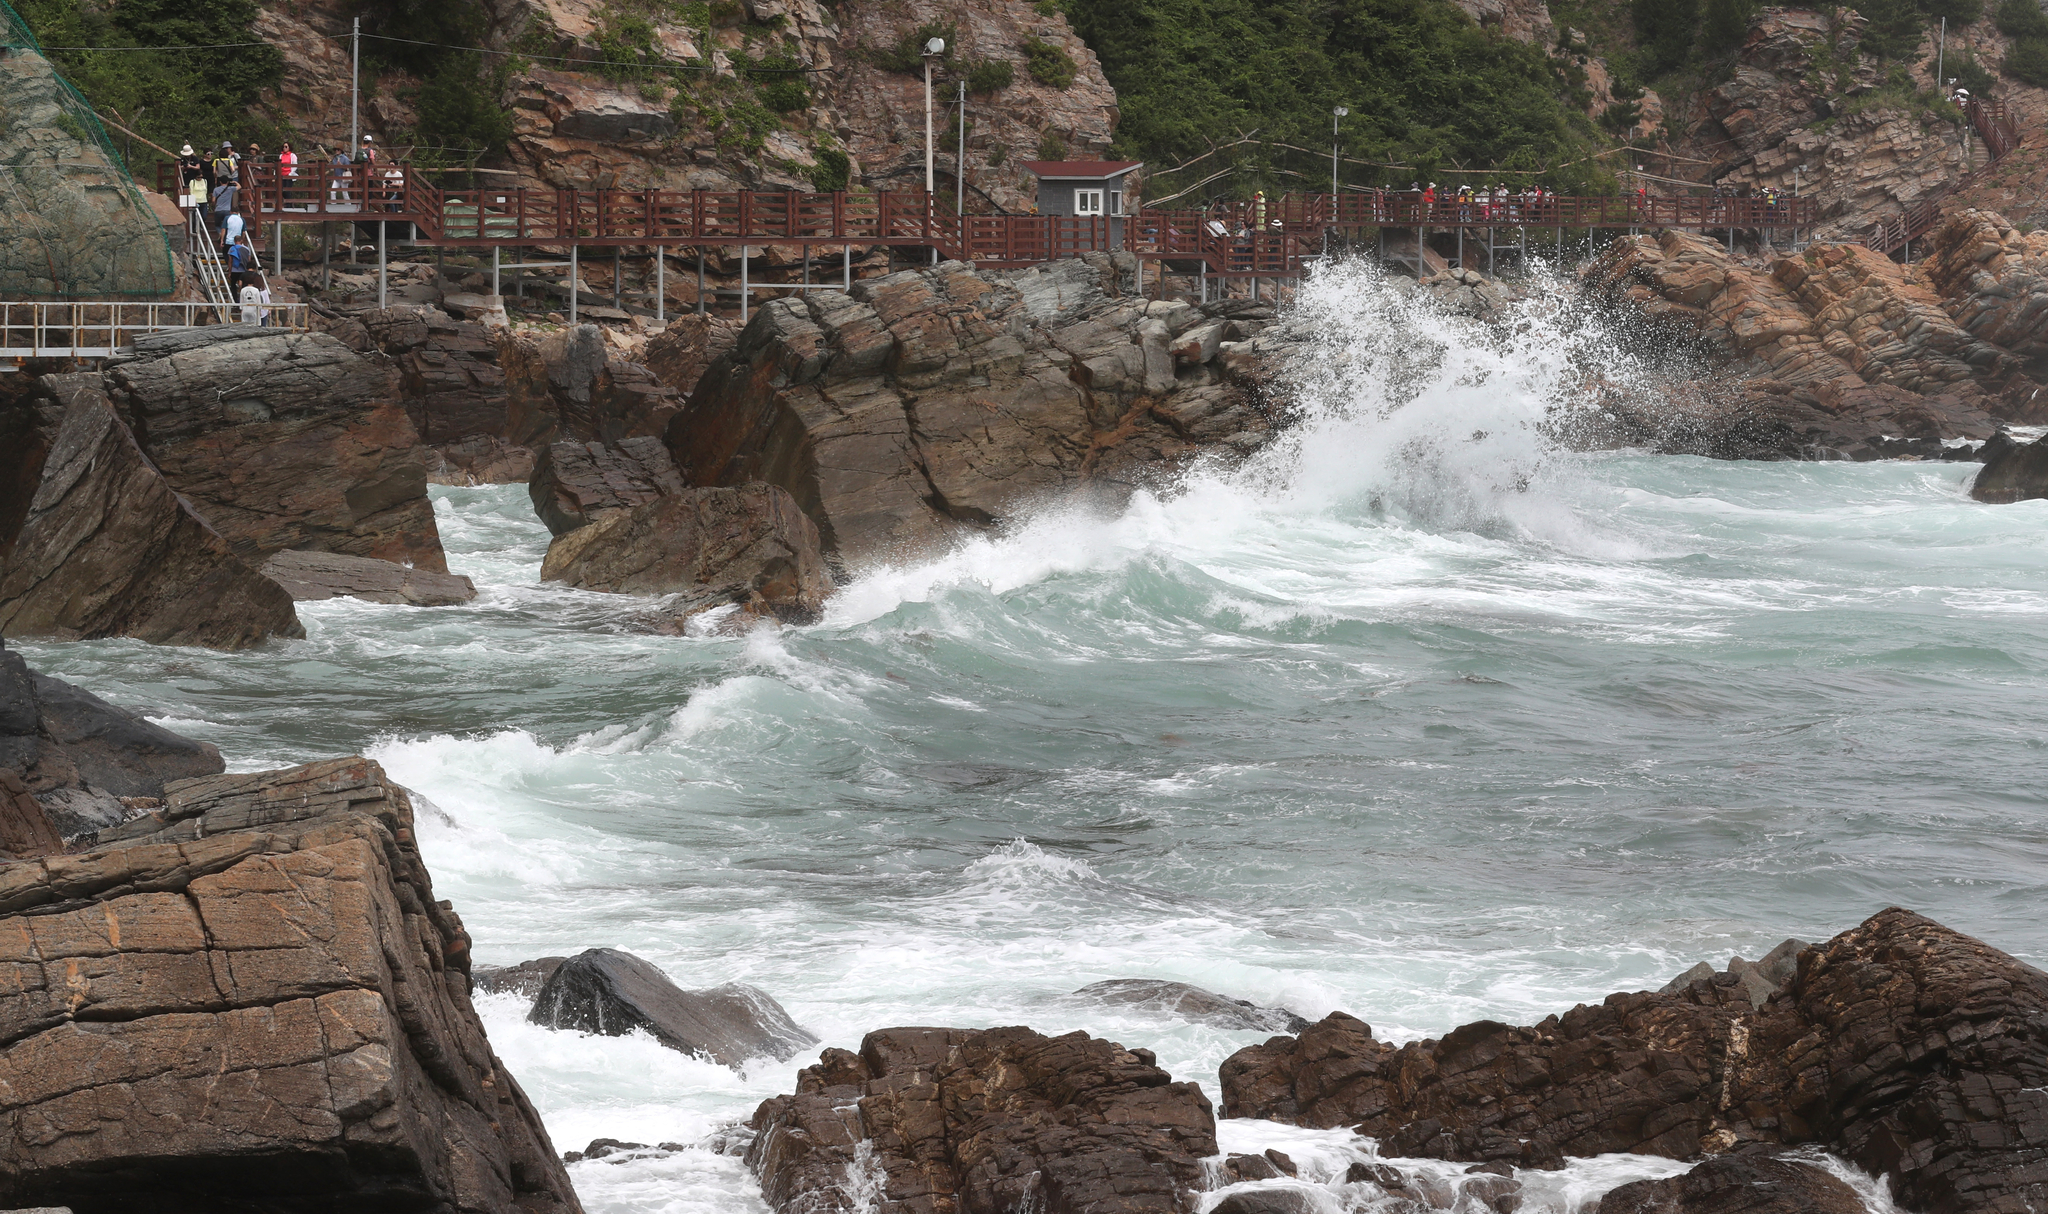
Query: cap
[[366, 139]]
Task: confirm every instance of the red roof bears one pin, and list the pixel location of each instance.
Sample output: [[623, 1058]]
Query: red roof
[[1082, 168]]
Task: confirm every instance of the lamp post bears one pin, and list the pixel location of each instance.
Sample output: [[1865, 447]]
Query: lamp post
[[1335, 114], [932, 50]]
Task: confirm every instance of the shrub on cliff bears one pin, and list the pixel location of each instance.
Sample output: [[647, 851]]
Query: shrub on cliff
[[1049, 65], [2028, 60]]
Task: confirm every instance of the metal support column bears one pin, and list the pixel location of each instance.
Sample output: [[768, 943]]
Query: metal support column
[[572, 283], [660, 285], [700, 280], [743, 284], [494, 272], [380, 263], [326, 250], [277, 246], [846, 267], [619, 276], [807, 267]]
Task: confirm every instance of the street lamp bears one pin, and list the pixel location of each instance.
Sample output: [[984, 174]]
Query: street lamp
[[932, 50], [1335, 114]]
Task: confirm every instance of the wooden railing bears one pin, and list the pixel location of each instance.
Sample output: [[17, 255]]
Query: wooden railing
[[1994, 124]]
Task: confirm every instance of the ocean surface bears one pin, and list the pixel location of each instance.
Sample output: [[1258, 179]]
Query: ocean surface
[[1418, 715]]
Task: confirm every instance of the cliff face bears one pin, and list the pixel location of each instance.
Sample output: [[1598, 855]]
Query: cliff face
[[252, 995], [721, 129]]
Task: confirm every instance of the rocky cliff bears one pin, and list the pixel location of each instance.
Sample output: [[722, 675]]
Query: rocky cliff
[[250, 997], [1915, 1052]]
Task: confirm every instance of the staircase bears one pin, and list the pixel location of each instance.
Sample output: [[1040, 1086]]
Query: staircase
[[211, 270], [1997, 134]]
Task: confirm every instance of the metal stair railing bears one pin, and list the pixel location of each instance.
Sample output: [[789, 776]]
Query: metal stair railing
[[211, 270]]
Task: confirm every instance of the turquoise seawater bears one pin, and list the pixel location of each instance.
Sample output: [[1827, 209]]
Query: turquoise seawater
[[1417, 716]]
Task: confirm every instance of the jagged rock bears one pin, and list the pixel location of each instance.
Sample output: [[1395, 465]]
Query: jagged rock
[[2015, 472], [707, 548], [574, 483], [1252, 1167], [480, 459], [974, 1119], [567, 385], [80, 757], [1761, 978], [1290, 1200], [1195, 1005], [1020, 387], [28, 425], [524, 979], [109, 549], [282, 440], [679, 354], [603, 990], [1737, 1184], [311, 576], [1905, 1047], [1994, 278], [454, 388], [254, 991]]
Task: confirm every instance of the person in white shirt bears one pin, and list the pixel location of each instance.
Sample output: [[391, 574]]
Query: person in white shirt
[[234, 227], [263, 294], [252, 301]]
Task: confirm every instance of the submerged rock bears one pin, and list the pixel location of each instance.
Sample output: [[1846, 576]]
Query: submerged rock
[[2013, 472], [311, 576], [108, 548], [1907, 1048], [253, 991], [708, 548], [984, 1119], [83, 762], [1738, 1184], [1195, 1005], [603, 990]]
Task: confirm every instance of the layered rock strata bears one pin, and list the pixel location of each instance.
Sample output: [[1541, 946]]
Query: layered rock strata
[[109, 548], [84, 764], [568, 385], [573, 483], [934, 400], [282, 440], [1738, 1184], [603, 990], [312, 576], [946, 1121], [703, 548], [252, 994], [1913, 1051]]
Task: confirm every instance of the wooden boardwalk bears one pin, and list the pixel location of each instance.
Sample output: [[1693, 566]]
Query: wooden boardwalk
[[1227, 240]]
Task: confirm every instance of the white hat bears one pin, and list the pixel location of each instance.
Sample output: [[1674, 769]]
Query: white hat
[[366, 139], [186, 150]]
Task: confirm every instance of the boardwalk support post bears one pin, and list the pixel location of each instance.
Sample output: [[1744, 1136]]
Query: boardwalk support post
[[572, 283], [380, 263], [660, 286], [743, 284], [494, 273], [700, 280]]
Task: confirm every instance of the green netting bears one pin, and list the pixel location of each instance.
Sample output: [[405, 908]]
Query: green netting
[[82, 230]]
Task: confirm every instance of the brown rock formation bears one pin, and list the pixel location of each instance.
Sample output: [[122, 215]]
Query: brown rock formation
[[283, 441], [2012, 472], [311, 576], [567, 385], [254, 991], [933, 399], [679, 354], [1995, 280], [109, 549], [707, 547], [82, 761], [574, 483], [604, 990], [1911, 1050], [1738, 1184], [952, 1121]]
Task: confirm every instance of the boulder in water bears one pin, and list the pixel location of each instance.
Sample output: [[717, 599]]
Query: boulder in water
[[985, 1119], [2012, 472], [603, 990], [311, 576], [1907, 1048], [574, 483], [108, 548], [1738, 1184], [1292, 1199], [748, 546], [524, 979], [1194, 1005]]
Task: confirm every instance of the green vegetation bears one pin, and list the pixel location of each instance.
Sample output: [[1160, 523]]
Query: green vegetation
[[779, 80], [906, 54], [990, 75], [2027, 25], [1051, 146], [460, 118], [1428, 90], [1050, 66], [167, 96], [832, 171]]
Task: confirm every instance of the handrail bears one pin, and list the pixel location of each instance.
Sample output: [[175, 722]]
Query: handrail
[[1994, 123], [84, 329]]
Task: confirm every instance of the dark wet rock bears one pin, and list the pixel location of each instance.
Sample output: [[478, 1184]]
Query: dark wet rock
[[1193, 1004], [83, 762], [283, 440], [479, 459], [109, 548], [679, 354], [524, 979], [600, 1148], [573, 483], [253, 991], [1760, 979], [1907, 1048], [984, 1119], [1279, 1159], [311, 576], [1492, 1186], [1737, 1184], [705, 548], [2014, 472], [1290, 1200], [568, 385], [603, 990], [1388, 1178], [1252, 1167]]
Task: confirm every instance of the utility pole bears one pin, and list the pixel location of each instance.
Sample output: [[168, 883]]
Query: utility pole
[[1335, 114], [1941, 54], [355, 75], [932, 49], [960, 163]]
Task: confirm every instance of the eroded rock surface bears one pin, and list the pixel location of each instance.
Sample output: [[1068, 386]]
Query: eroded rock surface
[[1193, 1004], [2012, 472], [311, 576], [253, 990], [704, 548], [108, 548], [283, 440], [569, 385], [1911, 1050], [1738, 1184], [932, 400], [574, 483], [945, 1121], [603, 990]]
